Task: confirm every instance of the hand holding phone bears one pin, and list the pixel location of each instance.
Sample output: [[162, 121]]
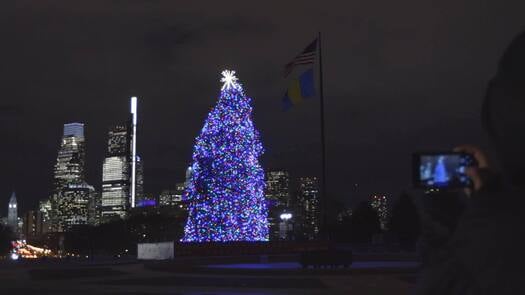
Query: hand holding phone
[[482, 162]]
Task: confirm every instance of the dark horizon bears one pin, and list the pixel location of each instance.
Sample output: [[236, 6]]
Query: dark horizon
[[398, 79]]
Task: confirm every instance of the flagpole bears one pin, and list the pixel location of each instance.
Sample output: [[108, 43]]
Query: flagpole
[[324, 195]]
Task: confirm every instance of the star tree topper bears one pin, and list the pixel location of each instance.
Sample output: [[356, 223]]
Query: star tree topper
[[229, 79]]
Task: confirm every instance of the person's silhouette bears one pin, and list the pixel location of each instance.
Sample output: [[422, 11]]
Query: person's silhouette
[[482, 251]]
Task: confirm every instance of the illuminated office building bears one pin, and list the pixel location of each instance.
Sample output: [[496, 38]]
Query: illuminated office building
[[118, 141], [379, 203], [69, 167], [94, 209], [45, 208], [309, 204], [277, 194], [115, 187], [122, 170], [116, 174], [71, 195], [73, 205], [278, 187], [173, 198], [140, 197], [33, 224]]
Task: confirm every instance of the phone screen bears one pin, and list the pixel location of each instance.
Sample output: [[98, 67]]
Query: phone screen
[[442, 170]]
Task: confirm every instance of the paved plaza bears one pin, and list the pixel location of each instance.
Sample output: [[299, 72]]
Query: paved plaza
[[133, 277]]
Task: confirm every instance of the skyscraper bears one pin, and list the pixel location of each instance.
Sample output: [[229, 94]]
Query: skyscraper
[[69, 167], [115, 174], [74, 129], [12, 213], [173, 198], [308, 200], [379, 203], [44, 206], [122, 170], [278, 187], [142, 199], [118, 141], [139, 184], [33, 224], [115, 187], [133, 129], [94, 209], [71, 194], [189, 173], [278, 196], [73, 205]]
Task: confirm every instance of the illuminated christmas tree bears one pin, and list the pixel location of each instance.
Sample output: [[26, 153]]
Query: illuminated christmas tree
[[440, 172], [226, 187]]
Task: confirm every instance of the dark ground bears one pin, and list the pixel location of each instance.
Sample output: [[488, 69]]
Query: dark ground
[[134, 277]]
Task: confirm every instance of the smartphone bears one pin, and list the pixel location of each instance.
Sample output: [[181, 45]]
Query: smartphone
[[441, 170]]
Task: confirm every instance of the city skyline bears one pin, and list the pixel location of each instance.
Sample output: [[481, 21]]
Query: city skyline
[[70, 165], [116, 170]]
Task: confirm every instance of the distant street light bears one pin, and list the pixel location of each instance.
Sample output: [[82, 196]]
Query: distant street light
[[286, 216]]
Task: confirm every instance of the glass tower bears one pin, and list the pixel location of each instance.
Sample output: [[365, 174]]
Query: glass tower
[[69, 167], [71, 196], [116, 174], [122, 170]]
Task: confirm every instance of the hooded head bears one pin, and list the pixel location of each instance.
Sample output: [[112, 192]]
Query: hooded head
[[503, 113]]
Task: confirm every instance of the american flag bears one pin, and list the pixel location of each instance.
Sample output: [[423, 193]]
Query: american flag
[[305, 58]]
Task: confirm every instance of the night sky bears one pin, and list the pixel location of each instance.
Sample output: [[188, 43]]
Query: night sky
[[399, 76]]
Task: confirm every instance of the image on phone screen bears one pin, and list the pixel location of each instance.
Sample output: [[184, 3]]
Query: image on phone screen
[[442, 170]]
